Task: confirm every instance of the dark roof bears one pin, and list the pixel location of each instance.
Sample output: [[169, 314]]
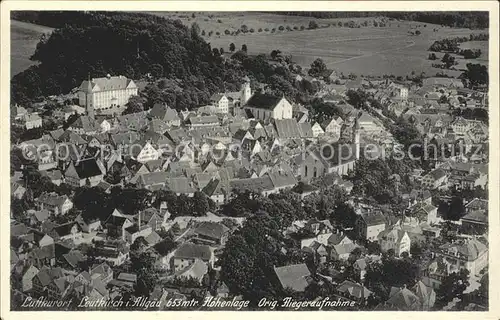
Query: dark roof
[[211, 229], [263, 101], [65, 229], [191, 251], [87, 168], [373, 218]]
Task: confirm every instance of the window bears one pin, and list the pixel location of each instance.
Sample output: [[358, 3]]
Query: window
[[315, 174]]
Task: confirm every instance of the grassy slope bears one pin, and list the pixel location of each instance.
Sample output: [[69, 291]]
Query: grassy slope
[[346, 50], [24, 37], [343, 49]]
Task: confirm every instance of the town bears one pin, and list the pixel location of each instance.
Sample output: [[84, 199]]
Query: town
[[371, 196]]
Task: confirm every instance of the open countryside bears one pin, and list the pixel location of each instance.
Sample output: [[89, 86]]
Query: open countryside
[[24, 37], [364, 50]]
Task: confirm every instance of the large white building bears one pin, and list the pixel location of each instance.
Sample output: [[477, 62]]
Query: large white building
[[103, 93], [266, 107]]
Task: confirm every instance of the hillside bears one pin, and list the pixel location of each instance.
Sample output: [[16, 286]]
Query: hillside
[[130, 44]]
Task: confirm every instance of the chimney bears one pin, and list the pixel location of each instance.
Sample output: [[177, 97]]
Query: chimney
[[139, 221]]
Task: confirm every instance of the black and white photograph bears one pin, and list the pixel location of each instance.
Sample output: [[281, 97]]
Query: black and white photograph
[[254, 160]]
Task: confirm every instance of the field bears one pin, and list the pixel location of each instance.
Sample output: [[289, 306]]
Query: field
[[363, 51], [24, 37]]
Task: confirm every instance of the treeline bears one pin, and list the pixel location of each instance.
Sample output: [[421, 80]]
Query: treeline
[[459, 19], [453, 44], [130, 44], [182, 69]]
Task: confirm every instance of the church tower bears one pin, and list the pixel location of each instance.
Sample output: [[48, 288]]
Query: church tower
[[246, 92], [88, 100]]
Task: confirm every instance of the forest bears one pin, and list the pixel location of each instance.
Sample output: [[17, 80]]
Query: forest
[[458, 19], [174, 59]]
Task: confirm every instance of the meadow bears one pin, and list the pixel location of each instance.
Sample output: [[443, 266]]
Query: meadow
[[24, 38], [363, 51]]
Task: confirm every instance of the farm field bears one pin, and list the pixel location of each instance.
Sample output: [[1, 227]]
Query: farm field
[[362, 51], [24, 38]]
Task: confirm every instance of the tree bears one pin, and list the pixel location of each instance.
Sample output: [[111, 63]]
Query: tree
[[232, 47], [476, 75], [448, 60], [432, 56], [249, 257], [200, 203], [216, 52], [452, 286], [281, 28], [221, 50], [244, 28], [134, 104], [317, 67], [244, 48], [157, 70], [313, 25], [275, 54]]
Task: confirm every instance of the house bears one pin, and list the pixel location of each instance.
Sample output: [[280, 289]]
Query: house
[[436, 179], [166, 114], [43, 278], [181, 186], [339, 158], [88, 225], [67, 231], [84, 173], [84, 125], [295, 277], [353, 291], [32, 120], [402, 299], [370, 224], [102, 271], [55, 176], [17, 190], [426, 294], [211, 233], [203, 121], [116, 225], [317, 130], [143, 151], [195, 270], [333, 126], [27, 278], [221, 103], [103, 93], [470, 254], [265, 107], [340, 246], [114, 252], [396, 240], [187, 253], [54, 203]]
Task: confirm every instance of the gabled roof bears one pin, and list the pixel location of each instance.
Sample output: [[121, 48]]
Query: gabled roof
[[287, 128], [354, 289], [87, 168], [211, 229], [192, 251], [293, 276], [263, 101], [107, 84]]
